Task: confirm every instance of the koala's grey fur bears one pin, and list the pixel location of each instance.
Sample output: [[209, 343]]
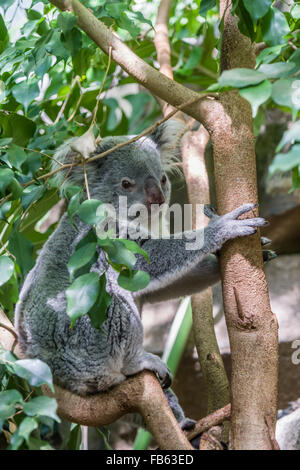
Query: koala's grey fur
[[83, 359]]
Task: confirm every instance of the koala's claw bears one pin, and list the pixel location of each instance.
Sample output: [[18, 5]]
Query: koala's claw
[[165, 380], [265, 241], [209, 211], [268, 255]]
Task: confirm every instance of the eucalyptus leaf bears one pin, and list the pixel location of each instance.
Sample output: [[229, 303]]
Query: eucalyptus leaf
[[87, 212], [35, 371], [22, 248], [97, 313], [82, 295], [81, 257], [42, 406], [240, 77], [290, 136], [286, 161], [7, 267], [25, 92], [133, 280], [8, 401], [257, 94], [274, 27], [257, 8]]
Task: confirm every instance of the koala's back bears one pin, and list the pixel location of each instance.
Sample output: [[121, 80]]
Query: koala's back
[[82, 359]]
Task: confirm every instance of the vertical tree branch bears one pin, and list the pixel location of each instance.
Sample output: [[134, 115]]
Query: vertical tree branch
[[193, 148], [251, 324], [214, 374]]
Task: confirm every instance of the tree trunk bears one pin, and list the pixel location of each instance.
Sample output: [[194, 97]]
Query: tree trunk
[[252, 327]]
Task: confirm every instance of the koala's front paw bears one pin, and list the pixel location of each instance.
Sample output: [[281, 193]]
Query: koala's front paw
[[164, 375], [229, 226], [187, 424], [154, 363]]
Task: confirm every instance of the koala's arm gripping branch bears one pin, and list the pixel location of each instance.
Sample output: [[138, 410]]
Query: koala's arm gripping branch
[[156, 82], [141, 393]]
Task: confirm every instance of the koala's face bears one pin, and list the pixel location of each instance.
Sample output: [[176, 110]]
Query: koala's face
[[136, 172]]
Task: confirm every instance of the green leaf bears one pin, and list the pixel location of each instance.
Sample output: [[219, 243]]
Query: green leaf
[[8, 400], [19, 127], [56, 47], [295, 12], [97, 313], [22, 248], [277, 70], [66, 21], [73, 205], [4, 208], [240, 77], [257, 8], [81, 257], [87, 211], [6, 177], [290, 136], [35, 371], [23, 432], [133, 280], [205, 6], [42, 406], [7, 267], [286, 92], [16, 156], [16, 188], [9, 295], [82, 295], [134, 248], [30, 194], [117, 252], [257, 94], [72, 41], [274, 27], [25, 92], [286, 161], [3, 35], [268, 54], [38, 444]]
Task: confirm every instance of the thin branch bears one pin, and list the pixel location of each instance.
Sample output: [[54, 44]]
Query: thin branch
[[61, 111], [141, 393], [101, 88], [213, 419], [86, 179]]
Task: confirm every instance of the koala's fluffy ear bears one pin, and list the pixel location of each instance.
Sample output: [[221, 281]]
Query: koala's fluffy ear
[[168, 137]]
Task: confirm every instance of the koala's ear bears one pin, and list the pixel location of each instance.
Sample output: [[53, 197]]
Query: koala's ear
[[168, 137]]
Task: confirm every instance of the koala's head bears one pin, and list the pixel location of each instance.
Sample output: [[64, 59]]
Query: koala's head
[[138, 170]]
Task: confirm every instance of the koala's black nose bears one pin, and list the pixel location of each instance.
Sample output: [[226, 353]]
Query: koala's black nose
[[153, 192]]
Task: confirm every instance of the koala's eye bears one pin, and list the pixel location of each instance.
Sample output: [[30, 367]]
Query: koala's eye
[[164, 180], [126, 184]]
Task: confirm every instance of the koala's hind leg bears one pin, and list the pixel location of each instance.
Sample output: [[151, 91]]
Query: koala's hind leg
[[148, 361]]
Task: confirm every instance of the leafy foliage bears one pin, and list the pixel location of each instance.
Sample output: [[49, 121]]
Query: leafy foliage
[[25, 416], [50, 76]]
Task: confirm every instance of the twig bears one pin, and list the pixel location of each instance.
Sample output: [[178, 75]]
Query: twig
[[214, 419], [86, 179], [60, 113], [93, 122]]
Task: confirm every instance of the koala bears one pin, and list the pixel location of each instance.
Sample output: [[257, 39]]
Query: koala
[[86, 360]]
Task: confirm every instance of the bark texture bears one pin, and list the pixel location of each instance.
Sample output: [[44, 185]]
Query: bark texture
[[212, 367], [251, 324]]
